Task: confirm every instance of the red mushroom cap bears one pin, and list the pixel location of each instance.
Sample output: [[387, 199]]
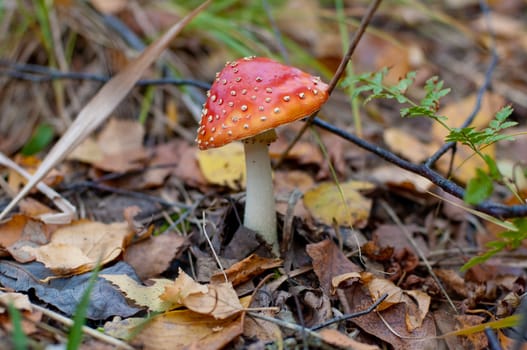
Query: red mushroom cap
[[253, 95]]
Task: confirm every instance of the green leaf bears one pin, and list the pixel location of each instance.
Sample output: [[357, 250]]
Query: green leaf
[[479, 188], [39, 140]]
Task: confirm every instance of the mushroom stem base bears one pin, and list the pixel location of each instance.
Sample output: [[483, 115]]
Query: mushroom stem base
[[260, 209]]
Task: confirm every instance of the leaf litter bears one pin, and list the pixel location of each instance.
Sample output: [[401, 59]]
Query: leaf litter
[[318, 280]]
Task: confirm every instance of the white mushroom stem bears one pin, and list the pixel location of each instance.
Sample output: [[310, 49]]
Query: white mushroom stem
[[260, 212]]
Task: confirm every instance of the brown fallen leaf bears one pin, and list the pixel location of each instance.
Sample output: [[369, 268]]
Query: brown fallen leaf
[[22, 231], [392, 328], [151, 257], [398, 178], [477, 341], [217, 300], [246, 270], [166, 158], [336, 338], [30, 317], [407, 145], [417, 302], [184, 329], [329, 262], [121, 142], [78, 247]]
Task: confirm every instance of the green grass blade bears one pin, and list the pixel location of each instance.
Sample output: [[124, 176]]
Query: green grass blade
[[75, 334], [41, 138], [19, 338]]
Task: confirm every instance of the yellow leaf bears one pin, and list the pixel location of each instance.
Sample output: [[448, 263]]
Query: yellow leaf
[[349, 208], [224, 166], [148, 296]]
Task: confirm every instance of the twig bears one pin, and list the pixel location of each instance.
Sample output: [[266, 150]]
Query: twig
[[40, 74], [489, 207], [338, 73], [350, 316]]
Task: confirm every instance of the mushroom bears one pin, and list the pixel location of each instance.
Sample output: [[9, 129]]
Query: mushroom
[[248, 99]]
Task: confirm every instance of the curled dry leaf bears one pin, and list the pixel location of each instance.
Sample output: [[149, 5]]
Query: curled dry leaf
[[417, 302], [22, 231], [246, 269], [217, 300], [78, 247]]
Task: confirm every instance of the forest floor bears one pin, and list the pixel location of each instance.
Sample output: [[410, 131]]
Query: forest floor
[[373, 230]]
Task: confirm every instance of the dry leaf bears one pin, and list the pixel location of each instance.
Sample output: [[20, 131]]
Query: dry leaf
[[329, 262], [89, 151], [151, 257], [336, 338], [20, 301], [379, 286], [217, 300], [417, 302], [394, 176], [121, 142], [109, 7], [224, 166], [78, 247], [30, 318], [256, 328], [349, 208], [148, 296], [407, 145], [392, 328], [22, 231], [184, 329], [246, 269]]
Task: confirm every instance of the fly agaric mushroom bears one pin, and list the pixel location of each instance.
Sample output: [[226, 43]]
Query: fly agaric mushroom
[[248, 99]]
